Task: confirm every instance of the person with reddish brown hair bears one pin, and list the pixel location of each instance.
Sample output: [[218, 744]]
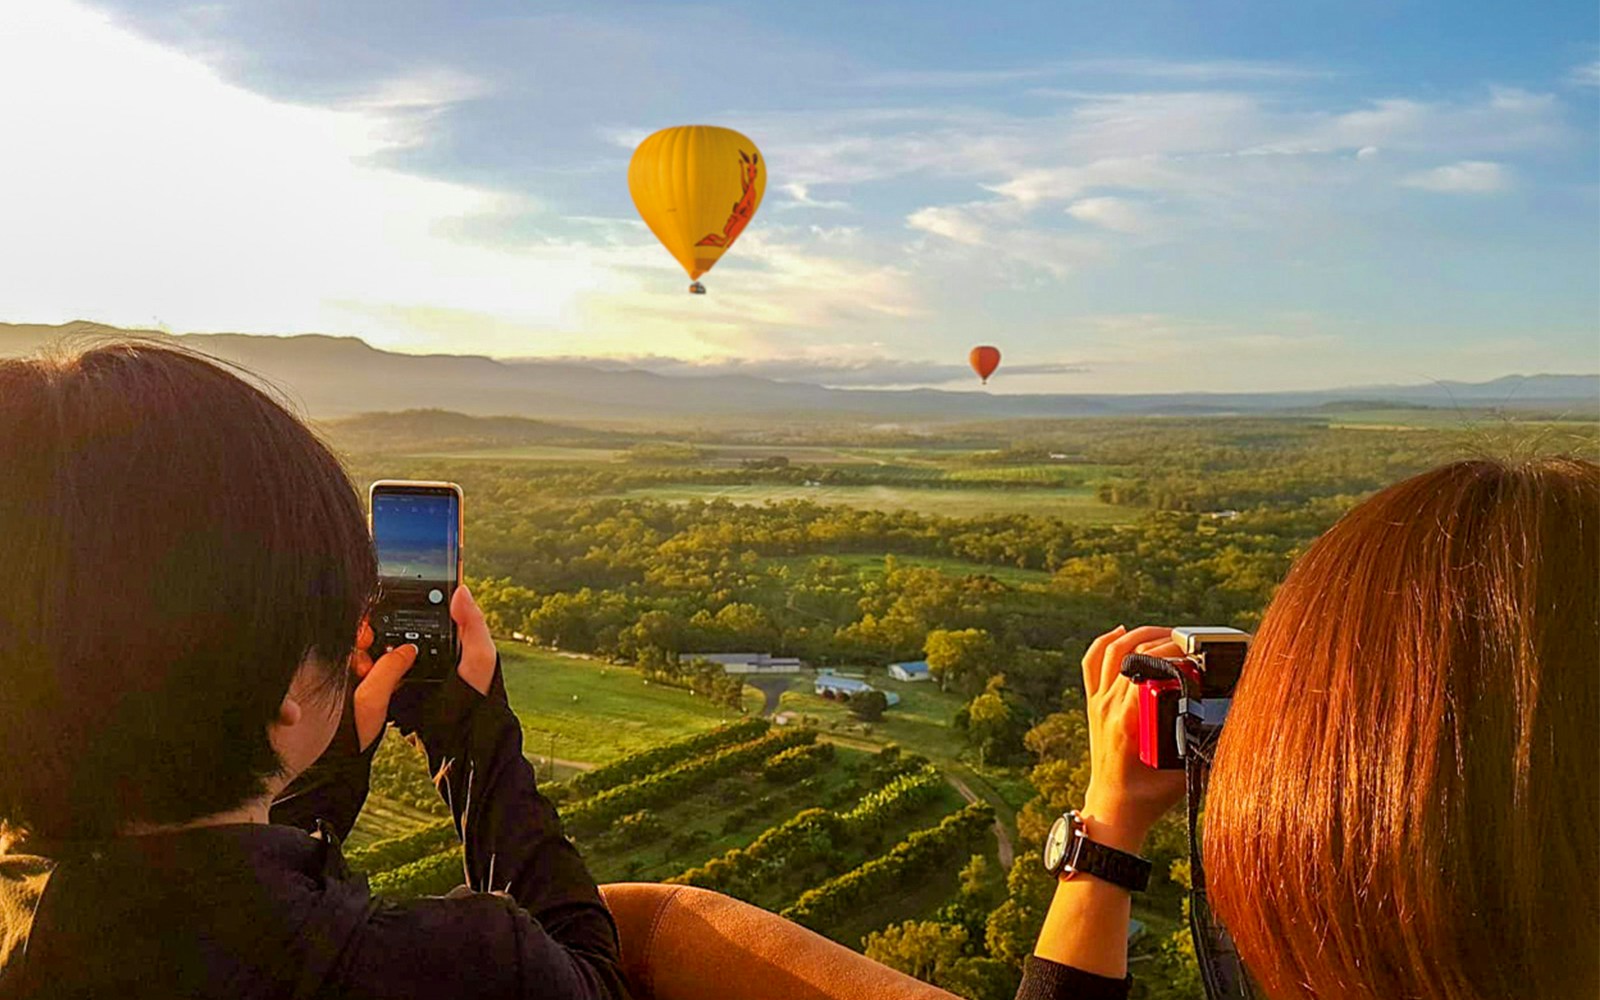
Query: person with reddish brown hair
[[1405, 802]]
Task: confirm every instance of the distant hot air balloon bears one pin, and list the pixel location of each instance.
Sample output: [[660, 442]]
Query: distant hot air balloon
[[697, 187], [984, 360]]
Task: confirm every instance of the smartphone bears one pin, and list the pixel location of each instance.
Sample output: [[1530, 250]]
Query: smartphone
[[416, 529]]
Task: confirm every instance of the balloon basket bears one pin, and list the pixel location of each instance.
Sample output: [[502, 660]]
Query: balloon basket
[[697, 289]]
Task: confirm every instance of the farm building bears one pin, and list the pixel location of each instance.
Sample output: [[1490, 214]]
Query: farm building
[[749, 663], [916, 670], [848, 687]]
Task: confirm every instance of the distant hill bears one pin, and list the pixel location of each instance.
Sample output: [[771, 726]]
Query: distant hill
[[416, 431], [342, 376]]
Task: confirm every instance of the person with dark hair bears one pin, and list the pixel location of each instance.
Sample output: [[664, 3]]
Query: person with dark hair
[[182, 660], [1405, 802]]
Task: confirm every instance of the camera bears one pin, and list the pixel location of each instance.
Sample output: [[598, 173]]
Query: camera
[[1184, 701]]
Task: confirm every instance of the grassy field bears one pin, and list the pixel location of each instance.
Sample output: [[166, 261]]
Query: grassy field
[[873, 565], [1072, 505], [596, 711], [1042, 474], [922, 722], [534, 453]]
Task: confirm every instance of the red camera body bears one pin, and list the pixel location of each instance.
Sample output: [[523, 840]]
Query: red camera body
[[1198, 684], [1158, 720]]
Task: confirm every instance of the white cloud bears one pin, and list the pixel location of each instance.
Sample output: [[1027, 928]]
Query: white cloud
[[1466, 177], [1199, 70], [152, 191], [1117, 214], [994, 236], [953, 222], [956, 77], [1214, 70], [800, 197], [1587, 75]]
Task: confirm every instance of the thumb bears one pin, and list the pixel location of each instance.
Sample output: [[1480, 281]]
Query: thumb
[[477, 645], [376, 688]]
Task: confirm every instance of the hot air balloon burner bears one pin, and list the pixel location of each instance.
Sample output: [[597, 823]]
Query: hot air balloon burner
[[695, 288]]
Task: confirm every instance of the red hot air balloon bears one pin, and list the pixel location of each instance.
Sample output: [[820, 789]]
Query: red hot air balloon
[[984, 361]]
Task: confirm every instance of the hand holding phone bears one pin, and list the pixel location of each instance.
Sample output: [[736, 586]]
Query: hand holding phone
[[416, 529]]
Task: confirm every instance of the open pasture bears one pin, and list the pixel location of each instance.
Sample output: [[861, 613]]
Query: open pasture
[[596, 711], [534, 453], [1079, 505], [874, 565]]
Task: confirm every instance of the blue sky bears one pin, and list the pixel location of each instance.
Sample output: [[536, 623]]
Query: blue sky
[[1122, 196]]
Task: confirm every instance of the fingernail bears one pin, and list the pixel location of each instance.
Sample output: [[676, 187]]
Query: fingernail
[[1122, 628], [415, 651]]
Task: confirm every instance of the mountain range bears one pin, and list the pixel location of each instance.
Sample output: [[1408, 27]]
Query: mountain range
[[338, 376]]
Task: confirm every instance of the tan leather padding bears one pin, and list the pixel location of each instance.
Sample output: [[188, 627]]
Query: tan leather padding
[[683, 943]]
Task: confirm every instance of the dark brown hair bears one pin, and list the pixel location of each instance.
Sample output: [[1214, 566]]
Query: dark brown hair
[[1406, 802], [174, 545]]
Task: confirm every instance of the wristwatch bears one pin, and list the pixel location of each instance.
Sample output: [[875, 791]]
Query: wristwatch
[[1069, 851]]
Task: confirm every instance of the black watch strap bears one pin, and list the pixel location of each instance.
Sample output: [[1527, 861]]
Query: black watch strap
[[1128, 871]]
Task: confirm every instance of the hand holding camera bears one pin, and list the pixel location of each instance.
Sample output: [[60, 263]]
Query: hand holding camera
[[1124, 798]]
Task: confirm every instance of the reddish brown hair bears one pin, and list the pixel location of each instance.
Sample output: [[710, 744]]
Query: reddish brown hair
[[174, 544], [1406, 802]]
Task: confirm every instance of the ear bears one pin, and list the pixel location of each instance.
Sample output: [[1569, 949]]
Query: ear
[[289, 712]]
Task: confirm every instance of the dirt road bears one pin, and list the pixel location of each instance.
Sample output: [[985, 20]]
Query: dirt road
[[1002, 836]]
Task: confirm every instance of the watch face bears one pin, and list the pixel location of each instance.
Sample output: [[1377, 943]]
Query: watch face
[[1055, 845]]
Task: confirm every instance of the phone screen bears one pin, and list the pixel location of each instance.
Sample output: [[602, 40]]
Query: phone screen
[[416, 529], [415, 534]]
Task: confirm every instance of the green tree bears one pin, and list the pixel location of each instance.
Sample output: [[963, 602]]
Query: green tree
[[940, 954], [920, 948], [659, 629], [963, 658], [869, 706], [1013, 927], [996, 722], [980, 882]]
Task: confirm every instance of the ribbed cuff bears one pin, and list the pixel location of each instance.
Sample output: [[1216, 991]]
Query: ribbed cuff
[[1043, 979]]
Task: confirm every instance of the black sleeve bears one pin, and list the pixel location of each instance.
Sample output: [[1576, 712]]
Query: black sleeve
[[510, 832], [1043, 979], [334, 788]]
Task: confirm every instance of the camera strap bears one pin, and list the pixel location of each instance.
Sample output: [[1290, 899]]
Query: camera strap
[[1221, 970]]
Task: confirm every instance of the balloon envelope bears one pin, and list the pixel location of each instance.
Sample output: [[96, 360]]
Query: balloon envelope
[[984, 360], [697, 187]]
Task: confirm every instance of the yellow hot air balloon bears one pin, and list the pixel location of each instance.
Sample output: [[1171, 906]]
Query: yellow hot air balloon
[[697, 187]]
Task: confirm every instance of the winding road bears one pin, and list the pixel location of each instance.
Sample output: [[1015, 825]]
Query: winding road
[[1002, 836]]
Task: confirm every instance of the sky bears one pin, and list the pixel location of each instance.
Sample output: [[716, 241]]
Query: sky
[[1123, 196]]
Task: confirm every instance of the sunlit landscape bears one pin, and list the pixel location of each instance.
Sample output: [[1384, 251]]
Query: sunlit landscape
[[822, 379]]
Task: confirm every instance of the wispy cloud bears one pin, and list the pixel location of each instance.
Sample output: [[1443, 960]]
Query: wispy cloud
[[953, 78], [1204, 70], [1586, 75], [1466, 177], [1194, 71], [1118, 214]]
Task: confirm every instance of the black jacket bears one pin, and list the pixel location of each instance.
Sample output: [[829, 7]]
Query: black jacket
[[270, 911]]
